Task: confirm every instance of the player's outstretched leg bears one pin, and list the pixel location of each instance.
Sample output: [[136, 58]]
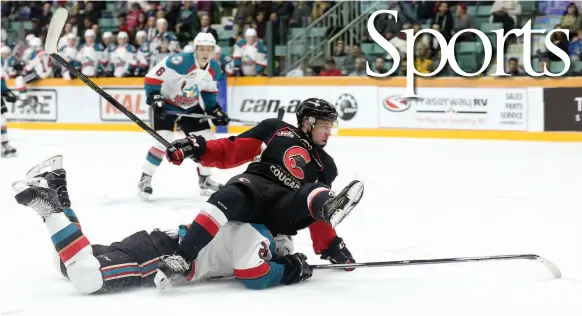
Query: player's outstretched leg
[[153, 160], [324, 205], [6, 150], [207, 185]]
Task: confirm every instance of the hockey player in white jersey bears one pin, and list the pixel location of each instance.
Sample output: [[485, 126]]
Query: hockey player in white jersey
[[108, 46], [69, 52], [246, 251], [91, 56], [7, 96], [143, 53], [9, 62], [122, 59], [29, 48], [38, 66], [249, 55], [183, 82]]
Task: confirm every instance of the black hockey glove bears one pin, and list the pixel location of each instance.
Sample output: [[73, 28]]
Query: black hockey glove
[[296, 268], [155, 99], [19, 66], [221, 118], [190, 147], [9, 96], [337, 252]]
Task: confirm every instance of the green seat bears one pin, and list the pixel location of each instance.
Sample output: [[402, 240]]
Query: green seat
[[557, 66], [318, 32], [367, 48], [577, 66], [110, 6], [223, 42], [15, 25], [480, 20], [225, 34], [472, 10], [488, 27], [296, 31], [528, 7], [484, 10], [105, 23], [378, 50], [297, 50], [280, 50], [27, 25], [227, 50], [469, 48], [467, 62]]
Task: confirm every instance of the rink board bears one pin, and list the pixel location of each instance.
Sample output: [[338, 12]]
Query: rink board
[[484, 108]]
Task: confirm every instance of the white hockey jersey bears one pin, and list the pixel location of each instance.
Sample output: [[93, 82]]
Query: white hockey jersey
[[41, 63], [251, 59], [183, 84], [91, 59], [122, 59], [243, 250]]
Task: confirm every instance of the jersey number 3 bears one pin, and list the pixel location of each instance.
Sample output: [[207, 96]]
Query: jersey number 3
[[263, 251]]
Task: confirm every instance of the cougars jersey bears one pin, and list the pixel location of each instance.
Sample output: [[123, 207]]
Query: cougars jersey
[[122, 59], [41, 63], [251, 59], [239, 249], [183, 84], [91, 59]]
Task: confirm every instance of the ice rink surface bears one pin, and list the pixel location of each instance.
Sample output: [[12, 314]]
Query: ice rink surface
[[423, 199]]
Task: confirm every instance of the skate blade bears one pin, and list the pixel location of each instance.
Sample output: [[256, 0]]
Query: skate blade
[[354, 195], [22, 185], [51, 164]]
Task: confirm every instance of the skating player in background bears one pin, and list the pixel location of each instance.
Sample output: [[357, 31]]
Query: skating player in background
[[287, 189], [249, 55], [7, 96], [247, 251], [183, 82]]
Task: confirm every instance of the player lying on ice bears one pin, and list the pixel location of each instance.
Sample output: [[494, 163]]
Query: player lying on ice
[[286, 189], [247, 251]]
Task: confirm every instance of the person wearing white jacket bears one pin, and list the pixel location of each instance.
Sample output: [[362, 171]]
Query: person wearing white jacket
[[506, 12]]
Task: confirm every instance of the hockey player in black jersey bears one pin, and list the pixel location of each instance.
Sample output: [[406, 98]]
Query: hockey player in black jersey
[[287, 189]]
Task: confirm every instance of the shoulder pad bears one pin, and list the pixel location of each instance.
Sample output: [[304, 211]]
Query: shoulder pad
[[180, 62], [241, 42]]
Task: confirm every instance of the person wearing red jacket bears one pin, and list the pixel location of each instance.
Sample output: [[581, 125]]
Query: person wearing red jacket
[[330, 69]]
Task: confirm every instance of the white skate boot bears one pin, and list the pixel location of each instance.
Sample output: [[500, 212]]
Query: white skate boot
[[145, 187]]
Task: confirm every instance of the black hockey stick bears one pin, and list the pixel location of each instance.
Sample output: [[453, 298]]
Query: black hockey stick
[[280, 113], [56, 26], [547, 263], [209, 117]]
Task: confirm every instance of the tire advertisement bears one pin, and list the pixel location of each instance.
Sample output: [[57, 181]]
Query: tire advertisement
[[563, 109]]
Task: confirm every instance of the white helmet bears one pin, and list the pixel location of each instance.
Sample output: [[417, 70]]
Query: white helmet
[[161, 21], [5, 50], [204, 39], [35, 43], [217, 49], [89, 33], [106, 35], [29, 37], [122, 35], [71, 36], [141, 34], [188, 49], [251, 32]]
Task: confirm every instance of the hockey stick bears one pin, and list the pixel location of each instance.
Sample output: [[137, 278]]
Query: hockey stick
[[209, 117], [280, 113], [547, 263], [56, 26]]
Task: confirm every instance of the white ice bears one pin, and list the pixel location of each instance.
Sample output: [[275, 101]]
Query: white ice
[[423, 199]]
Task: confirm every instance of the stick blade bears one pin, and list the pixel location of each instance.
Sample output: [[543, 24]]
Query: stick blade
[[55, 28], [550, 266]]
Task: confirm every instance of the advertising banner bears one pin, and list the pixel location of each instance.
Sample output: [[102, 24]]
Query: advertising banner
[[355, 106], [133, 99], [563, 109], [454, 108], [41, 105]]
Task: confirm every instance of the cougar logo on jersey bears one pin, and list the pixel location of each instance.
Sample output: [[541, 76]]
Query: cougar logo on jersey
[[295, 159], [286, 133], [285, 177]]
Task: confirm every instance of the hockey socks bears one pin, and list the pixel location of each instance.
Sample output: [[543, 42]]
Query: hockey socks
[[69, 241], [71, 216], [153, 160], [315, 201], [201, 232]]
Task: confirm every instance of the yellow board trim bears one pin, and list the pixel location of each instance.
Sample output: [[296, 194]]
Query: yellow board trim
[[358, 132]]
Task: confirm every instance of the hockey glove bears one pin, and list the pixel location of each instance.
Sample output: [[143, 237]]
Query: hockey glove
[[155, 99], [190, 147], [220, 118], [9, 96], [296, 268], [338, 253]]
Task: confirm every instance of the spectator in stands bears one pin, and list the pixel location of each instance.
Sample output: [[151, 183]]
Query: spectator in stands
[[350, 60], [123, 26], [260, 24], [172, 13], [380, 66], [299, 71], [575, 47], [244, 10], [399, 42], [402, 70], [150, 10], [359, 68], [300, 16], [319, 8], [45, 18], [277, 28], [571, 19], [206, 28], [330, 69], [505, 12], [444, 18], [436, 60], [422, 62], [36, 28], [385, 23], [339, 54], [204, 8], [90, 12], [96, 30], [188, 20], [309, 72], [150, 29], [463, 21], [141, 22], [283, 9], [133, 15], [559, 39], [513, 67]]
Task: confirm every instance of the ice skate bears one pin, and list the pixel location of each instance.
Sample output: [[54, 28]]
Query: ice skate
[[208, 185], [7, 150], [172, 271], [35, 194], [145, 187], [56, 177], [338, 207]]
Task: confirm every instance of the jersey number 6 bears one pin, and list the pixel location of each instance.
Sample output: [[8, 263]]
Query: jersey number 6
[[160, 71]]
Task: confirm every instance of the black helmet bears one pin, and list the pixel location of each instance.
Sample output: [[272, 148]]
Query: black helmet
[[316, 108]]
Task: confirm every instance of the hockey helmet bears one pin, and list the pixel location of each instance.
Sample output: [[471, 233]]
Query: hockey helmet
[[141, 34], [6, 51], [315, 109], [106, 35], [188, 49], [204, 39], [35, 43]]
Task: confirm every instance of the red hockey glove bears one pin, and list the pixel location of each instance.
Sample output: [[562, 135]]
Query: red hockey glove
[[190, 147], [338, 253]]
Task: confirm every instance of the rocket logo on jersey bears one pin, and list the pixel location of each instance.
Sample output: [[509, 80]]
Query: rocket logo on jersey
[[295, 159]]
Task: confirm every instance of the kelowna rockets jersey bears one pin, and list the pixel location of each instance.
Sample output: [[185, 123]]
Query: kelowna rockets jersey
[[184, 84], [250, 58]]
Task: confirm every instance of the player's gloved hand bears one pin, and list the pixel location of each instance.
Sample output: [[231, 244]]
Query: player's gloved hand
[[9, 96], [19, 66], [155, 99], [337, 252], [220, 118], [296, 268], [190, 147]]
